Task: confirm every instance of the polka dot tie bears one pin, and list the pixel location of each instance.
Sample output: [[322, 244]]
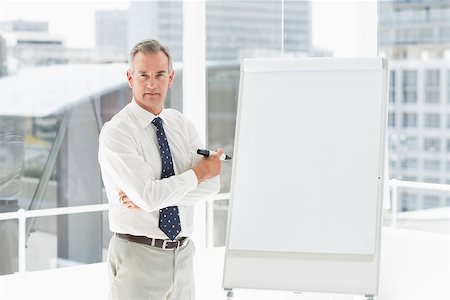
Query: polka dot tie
[[169, 218]]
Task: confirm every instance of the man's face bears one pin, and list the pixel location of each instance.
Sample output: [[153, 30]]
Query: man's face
[[150, 79]]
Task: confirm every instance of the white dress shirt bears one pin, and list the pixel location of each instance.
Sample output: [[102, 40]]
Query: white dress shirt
[[130, 161]]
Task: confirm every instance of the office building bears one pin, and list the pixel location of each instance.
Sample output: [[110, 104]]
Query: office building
[[111, 30], [234, 29], [29, 43], [237, 29], [415, 36], [410, 29], [161, 20]]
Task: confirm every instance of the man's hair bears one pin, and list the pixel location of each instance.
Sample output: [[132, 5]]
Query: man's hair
[[149, 47]]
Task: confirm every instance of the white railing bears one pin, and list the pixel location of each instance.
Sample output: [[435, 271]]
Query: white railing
[[22, 215], [396, 184]]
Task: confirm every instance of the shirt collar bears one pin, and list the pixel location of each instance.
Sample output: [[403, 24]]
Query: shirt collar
[[145, 117]]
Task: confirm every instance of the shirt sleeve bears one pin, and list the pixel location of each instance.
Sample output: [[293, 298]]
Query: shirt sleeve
[[206, 188], [118, 156]]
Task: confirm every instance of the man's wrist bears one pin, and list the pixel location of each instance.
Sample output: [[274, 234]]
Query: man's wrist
[[200, 175]]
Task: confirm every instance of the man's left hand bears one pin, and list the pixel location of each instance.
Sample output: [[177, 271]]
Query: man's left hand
[[127, 201]]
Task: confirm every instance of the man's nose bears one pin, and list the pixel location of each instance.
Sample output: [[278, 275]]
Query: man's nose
[[151, 82]]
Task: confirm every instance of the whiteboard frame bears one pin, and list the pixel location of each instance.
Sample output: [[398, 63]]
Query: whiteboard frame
[[345, 273]]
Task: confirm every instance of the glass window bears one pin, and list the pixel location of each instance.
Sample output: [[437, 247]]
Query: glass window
[[409, 86], [409, 163], [411, 143], [448, 87], [391, 119], [392, 87], [408, 201], [237, 30], [432, 120], [409, 178], [409, 120], [431, 201], [432, 180], [432, 82], [432, 144], [392, 164], [432, 165]]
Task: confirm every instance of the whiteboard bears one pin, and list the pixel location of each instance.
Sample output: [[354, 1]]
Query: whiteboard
[[308, 174]]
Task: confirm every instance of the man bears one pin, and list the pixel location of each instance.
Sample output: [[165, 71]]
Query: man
[[153, 177]]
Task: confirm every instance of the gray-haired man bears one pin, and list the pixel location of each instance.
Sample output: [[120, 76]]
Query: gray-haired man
[[153, 177]]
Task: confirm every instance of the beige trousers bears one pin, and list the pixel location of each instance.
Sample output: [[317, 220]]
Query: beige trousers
[[139, 271]]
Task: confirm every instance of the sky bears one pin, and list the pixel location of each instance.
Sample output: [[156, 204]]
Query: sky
[[74, 20], [333, 21]]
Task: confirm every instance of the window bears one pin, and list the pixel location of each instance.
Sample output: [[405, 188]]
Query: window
[[432, 165], [391, 119], [392, 164], [409, 178], [432, 86], [409, 86], [234, 30], [408, 201], [411, 143], [432, 180], [448, 87], [409, 120], [432, 120], [431, 145], [409, 164], [431, 201], [392, 87]]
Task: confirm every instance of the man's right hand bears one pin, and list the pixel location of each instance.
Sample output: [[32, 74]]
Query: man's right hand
[[209, 167]]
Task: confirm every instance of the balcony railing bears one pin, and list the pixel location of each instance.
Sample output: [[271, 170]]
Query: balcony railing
[[22, 215]]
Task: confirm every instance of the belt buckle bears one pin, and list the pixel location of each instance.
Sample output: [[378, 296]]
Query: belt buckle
[[164, 245]]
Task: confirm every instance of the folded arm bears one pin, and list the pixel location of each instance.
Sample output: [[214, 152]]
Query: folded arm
[[134, 176]]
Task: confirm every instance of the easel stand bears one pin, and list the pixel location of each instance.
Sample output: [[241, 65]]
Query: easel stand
[[230, 294]]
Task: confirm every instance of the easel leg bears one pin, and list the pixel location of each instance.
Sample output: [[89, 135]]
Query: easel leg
[[230, 294]]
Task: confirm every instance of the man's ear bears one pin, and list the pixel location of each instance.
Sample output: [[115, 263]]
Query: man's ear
[[171, 76], [130, 79]]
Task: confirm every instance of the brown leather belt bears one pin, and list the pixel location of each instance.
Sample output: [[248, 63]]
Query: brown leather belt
[[163, 244]]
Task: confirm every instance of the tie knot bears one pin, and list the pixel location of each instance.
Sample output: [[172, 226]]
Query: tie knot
[[157, 122]]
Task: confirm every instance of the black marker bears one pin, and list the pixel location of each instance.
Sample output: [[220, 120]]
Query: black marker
[[207, 153]]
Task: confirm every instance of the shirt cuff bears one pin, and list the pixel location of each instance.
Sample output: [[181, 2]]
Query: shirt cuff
[[191, 179]]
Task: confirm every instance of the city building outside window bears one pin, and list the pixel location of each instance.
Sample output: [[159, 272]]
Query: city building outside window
[[431, 201], [432, 85], [432, 145], [391, 119], [432, 165], [409, 120], [409, 86], [432, 120], [392, 81]]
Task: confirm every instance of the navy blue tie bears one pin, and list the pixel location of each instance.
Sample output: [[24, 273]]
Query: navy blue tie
[[169, 217]]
